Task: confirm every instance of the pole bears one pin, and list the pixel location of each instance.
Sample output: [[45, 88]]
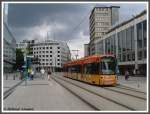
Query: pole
[[77, 53]]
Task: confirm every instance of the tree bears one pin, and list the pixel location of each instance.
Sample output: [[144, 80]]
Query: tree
[[19, 59]]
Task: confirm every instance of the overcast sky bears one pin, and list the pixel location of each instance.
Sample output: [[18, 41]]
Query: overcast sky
[[64, 22]]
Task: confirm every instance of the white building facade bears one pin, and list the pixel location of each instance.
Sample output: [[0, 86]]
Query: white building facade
[[51, 54], [128, 42]]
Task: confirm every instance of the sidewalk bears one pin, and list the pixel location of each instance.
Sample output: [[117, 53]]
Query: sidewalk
[[44, 95], [139, 83], [10, 82]]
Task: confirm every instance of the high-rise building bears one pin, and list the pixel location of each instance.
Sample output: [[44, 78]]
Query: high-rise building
[[101, 20]]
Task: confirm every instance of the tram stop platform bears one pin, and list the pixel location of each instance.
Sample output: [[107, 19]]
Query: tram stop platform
[[137, 82]]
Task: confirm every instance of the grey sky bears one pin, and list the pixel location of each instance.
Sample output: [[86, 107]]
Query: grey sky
[[33, 21]]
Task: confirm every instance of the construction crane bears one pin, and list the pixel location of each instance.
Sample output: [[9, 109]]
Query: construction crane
[[76, 53]]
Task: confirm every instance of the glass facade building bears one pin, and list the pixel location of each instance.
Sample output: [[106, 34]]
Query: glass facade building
[[9, 50], [128, 42]]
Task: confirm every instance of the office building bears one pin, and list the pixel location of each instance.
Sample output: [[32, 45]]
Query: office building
[[9, 44], [51, 54], [101, 20], [128, 42], [9, 49]]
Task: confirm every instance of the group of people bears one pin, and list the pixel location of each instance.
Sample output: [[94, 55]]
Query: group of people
[[43, 73], [30, 73]]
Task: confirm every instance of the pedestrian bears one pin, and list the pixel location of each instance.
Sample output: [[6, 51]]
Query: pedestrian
[[126, 75], [42, 73], [32, 75], [48, 74]]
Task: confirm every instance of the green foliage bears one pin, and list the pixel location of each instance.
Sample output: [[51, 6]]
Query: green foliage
[[19, 58]]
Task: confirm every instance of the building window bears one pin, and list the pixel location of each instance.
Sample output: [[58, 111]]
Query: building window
[[58, 55], [50, 55], [58, 59], [50, 47], [58, 51], [58, 63], [58, 47], [144, 32], [43, 55], [50, 51], [46, 55], [46, 47], [139, 55], [128, 39], [43, 47], [123, 35], [132, 38], [120, 46], [139, 35]]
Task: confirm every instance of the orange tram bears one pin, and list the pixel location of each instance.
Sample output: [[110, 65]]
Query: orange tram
[[96, 69]]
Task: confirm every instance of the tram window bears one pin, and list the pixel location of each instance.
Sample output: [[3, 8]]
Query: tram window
[[65, 69], [69, 69], [107, 66], [91, 68], [76, 69]]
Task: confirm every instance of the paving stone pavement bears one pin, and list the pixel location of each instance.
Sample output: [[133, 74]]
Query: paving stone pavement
[[44, 95], [136, 82]]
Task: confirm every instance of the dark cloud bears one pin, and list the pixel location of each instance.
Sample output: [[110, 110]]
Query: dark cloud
[[33, 14], [24, 17], [29, 21]]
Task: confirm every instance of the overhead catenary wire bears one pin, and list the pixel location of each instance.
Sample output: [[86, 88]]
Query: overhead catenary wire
[[81, 22]]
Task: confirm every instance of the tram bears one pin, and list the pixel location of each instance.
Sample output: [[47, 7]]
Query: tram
[[96, 69]]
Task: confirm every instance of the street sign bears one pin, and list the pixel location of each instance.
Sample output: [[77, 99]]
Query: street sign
[[30, 56]]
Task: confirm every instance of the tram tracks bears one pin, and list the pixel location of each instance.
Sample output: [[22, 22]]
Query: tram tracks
[[104, 95], [127, 92], [129, 88], [89, 98]]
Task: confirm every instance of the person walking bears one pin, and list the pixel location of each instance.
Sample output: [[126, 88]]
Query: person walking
[[48, 74], [42, 73], [32, 75], [126, 75]]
